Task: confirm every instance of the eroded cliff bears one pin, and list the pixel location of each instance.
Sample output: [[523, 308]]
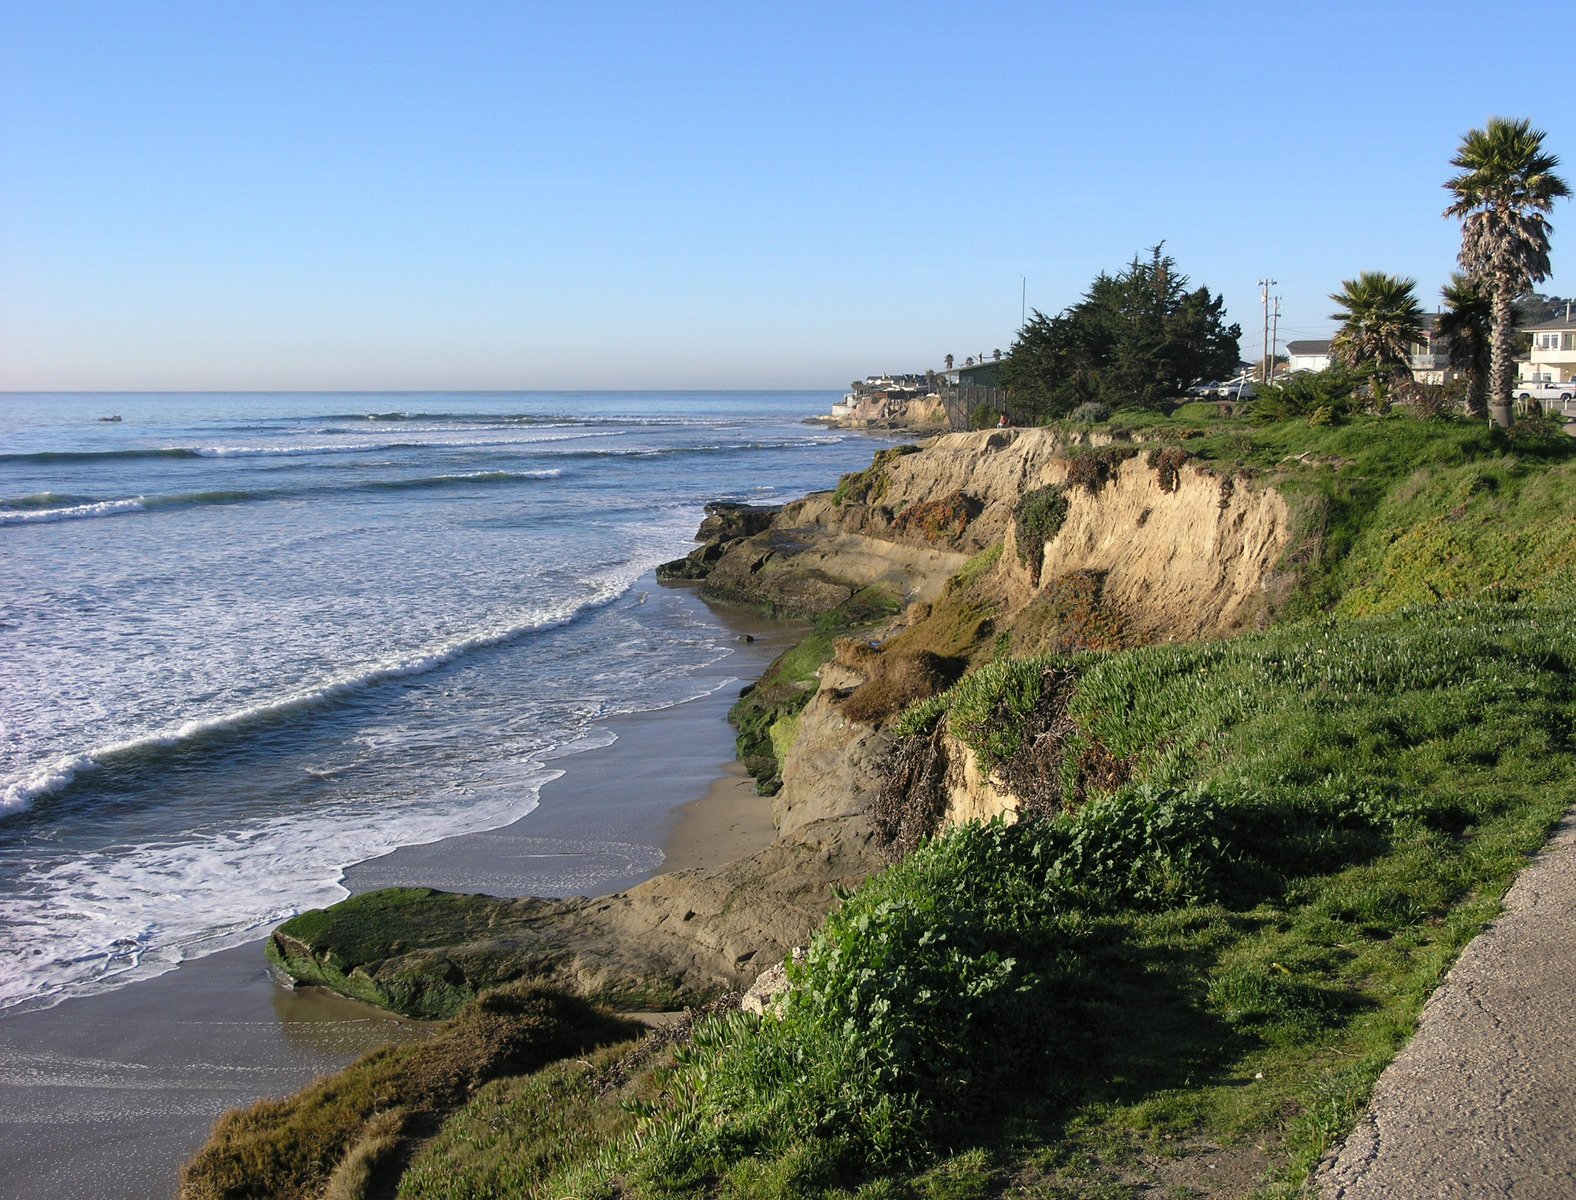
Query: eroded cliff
[[1162, 549]]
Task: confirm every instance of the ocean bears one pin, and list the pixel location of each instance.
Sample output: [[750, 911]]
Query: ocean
[[250, 640]]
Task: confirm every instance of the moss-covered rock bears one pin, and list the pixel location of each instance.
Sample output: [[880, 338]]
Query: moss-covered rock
[[351, 1133]]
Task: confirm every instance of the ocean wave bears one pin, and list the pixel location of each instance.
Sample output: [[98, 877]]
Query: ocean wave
[[54, 777], [49, 456], [551, 420], [102, 508], [43, 500], [90, 508], [450, 480], [699, 450]]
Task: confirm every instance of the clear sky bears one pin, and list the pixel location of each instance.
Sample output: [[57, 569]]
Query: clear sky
[[575, 195]]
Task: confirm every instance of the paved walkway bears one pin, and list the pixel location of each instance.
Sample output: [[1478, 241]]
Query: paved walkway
[[1482, 1103]]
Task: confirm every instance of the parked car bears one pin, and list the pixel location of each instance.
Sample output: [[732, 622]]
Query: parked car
[[1237, 389], [1212, 388], [1544, 391]]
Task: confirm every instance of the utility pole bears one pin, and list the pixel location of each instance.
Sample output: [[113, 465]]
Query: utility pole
[[1274, 340], [1023, 301], [1264, 295]]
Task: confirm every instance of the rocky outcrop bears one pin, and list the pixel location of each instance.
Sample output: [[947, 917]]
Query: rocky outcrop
[[676, 939], [724, 524]]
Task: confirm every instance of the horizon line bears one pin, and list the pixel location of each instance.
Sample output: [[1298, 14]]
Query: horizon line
[[392, 391]]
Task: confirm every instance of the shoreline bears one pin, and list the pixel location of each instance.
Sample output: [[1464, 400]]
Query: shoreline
[[108, 1094]]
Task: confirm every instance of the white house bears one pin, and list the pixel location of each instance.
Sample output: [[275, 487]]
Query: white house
[[1553, 355], [1311, 355], [1430, 356]]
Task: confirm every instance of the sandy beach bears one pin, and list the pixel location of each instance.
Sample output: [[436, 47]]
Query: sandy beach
[[105, 1095]]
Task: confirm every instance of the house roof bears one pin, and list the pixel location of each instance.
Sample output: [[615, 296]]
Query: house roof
[[1314, 346], [1557, 323]]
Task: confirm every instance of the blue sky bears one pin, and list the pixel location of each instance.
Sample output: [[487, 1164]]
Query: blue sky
[[543, 195]]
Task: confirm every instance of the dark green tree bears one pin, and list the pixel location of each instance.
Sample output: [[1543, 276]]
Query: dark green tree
[[1466, 324], [1136, 339]]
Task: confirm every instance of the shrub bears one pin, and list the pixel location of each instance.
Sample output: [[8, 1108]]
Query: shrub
[[1166, 462], [1306, 392], [1037, 519], [937, 520], [1093, 469], [984, 417], [991, 709], [1091, 412], [1073, 615], [1144, 847]]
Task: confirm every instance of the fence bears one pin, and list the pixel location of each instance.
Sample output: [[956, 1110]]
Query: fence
[[962, 401]]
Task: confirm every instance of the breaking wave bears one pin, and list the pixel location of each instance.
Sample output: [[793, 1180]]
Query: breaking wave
[[27, 510], [56, 776]]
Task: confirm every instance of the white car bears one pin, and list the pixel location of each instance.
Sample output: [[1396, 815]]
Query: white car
[[1544, 391]]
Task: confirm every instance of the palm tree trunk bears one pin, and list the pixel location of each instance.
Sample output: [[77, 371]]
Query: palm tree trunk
[[1477, 390], [1502, 363]]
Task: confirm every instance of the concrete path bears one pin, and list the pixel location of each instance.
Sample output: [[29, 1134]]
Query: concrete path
[[1482, 1103]]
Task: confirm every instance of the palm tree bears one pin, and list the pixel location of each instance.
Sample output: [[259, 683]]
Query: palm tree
[[1466, 324], [1380, 319], [1507, 184], [949, 362]]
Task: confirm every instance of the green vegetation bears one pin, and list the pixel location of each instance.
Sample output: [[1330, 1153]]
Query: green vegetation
[[1228, 946], [869, 485], [1136, 339], [363, 930], [767, 712], [1037, 520], [353, 1132]]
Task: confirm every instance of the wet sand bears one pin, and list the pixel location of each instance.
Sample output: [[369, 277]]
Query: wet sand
[[105, 1095]]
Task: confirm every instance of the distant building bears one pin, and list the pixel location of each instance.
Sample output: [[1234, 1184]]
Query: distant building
[[1552, 358], [980, 374], [1431, 355], [1308, 355], [881, 397]]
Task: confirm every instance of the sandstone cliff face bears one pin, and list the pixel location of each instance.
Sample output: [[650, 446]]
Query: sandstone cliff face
[[1181, 555], [1196, 561]]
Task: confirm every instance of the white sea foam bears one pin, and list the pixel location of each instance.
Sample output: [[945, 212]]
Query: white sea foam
[[75, 512], [144, 504], [109, 918], [52, 777]]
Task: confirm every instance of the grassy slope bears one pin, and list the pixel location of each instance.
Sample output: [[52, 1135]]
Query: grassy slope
[[1227, 951]]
